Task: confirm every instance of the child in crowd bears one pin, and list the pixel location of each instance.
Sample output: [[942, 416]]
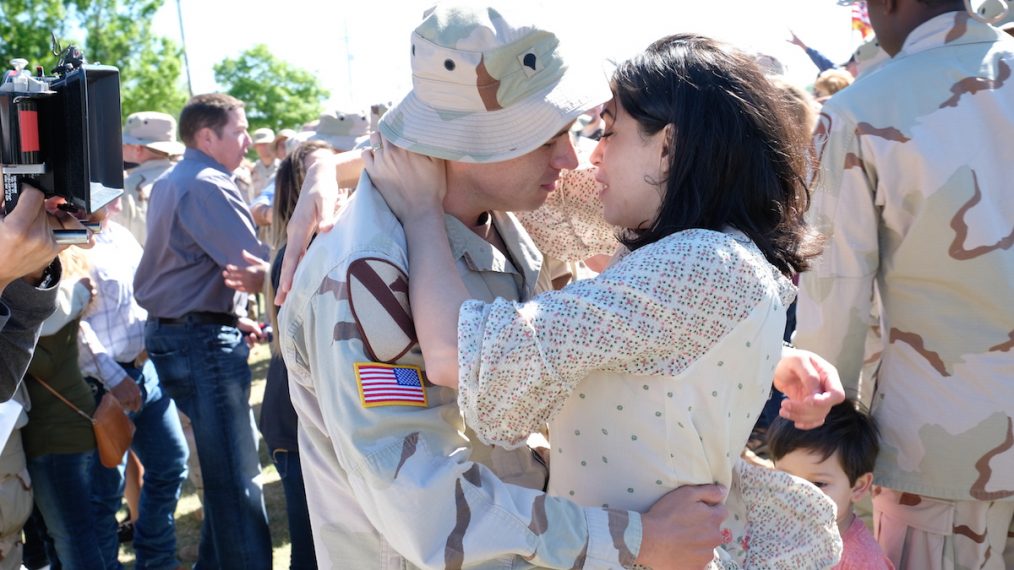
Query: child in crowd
[[837, 458]]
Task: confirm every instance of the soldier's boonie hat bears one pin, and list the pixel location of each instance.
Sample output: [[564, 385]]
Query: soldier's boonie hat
[[343, 131], [488, 86], [285, 134], [263, 135], [154, 130]]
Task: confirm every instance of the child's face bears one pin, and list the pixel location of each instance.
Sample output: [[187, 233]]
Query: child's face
[[828, 476]]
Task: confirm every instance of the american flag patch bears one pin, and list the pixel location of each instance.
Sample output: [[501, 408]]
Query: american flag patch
[[389, 385]]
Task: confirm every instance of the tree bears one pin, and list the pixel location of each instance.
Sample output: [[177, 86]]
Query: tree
[[277, 95], [119, 33], [116, 32], [25, 27]]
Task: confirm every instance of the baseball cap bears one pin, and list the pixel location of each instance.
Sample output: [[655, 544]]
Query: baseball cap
[[488, 86], [153, 130], [263, 135]]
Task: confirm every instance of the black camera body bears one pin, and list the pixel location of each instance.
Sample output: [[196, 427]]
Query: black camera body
[[61, 133]]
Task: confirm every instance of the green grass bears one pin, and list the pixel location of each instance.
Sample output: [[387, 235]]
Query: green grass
[[188, 523]]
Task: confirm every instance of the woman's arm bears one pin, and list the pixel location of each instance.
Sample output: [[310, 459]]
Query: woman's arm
[[414, 186]]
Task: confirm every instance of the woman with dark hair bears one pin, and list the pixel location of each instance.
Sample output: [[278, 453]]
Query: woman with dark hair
[[278, 419], [652, 374]]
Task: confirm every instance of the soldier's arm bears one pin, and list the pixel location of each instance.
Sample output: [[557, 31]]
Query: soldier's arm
[[835, 296], [408, 466]]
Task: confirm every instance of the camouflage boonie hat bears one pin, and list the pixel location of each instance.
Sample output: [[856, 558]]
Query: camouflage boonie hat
[[488, 86], [156, 131], [263, 135], [343, 131]]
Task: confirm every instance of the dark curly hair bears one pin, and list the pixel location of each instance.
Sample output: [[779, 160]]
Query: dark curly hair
[[848, 429]]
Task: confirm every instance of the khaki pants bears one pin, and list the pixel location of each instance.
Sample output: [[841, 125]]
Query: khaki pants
[[15, 501], [924, 533]]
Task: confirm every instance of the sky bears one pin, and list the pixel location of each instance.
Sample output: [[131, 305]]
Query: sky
[[359, 50]]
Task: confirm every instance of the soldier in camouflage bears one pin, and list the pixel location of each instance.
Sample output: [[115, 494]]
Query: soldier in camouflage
[[149, 141], [393, 477], [914, 198]]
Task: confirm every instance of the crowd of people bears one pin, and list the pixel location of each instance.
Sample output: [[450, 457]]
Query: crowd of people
[[691, 315]]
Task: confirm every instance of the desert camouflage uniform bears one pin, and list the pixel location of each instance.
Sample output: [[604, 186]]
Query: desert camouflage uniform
[[15, 488], [407, 486], [261, 175], [914, 196], [137, 192]]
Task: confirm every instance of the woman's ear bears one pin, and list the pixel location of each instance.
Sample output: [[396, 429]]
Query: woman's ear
[[862, 485], [667, 140]]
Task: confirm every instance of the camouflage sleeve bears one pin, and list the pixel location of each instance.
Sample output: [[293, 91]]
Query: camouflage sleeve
[[404, 469], [570, 226], [836, 295]]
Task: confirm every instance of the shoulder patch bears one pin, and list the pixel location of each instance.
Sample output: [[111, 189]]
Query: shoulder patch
[[388, 385], [378, 296]]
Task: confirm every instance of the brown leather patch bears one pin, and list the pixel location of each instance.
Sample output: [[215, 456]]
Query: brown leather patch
[[377, 292], [887, 133], [487, 86], [1004, 346], [408, 448], [618, 522], [957, 249], [540, 521], [909, 499], [972, 85], [986, 472], [918, 344], [454, 550]]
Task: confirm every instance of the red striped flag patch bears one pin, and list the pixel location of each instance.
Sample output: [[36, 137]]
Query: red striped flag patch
[[390, 385]]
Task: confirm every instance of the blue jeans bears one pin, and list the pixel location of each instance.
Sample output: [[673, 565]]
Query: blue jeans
[[162, 450], [62, 485], [300, 535], [204, 368]]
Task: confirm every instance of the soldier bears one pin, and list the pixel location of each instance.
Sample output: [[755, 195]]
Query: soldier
[[263, 172], [914, 197], [393, 479], [149, 140]]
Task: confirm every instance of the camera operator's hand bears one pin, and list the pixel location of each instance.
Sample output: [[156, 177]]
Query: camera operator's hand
[[27, 235]]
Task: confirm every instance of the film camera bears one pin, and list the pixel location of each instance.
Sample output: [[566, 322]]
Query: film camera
[[61, 134]]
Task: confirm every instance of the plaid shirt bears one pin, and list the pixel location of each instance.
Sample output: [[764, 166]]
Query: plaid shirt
[[112, 330]]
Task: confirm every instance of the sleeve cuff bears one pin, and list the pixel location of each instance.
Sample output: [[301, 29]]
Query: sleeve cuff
[[614, 538]]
